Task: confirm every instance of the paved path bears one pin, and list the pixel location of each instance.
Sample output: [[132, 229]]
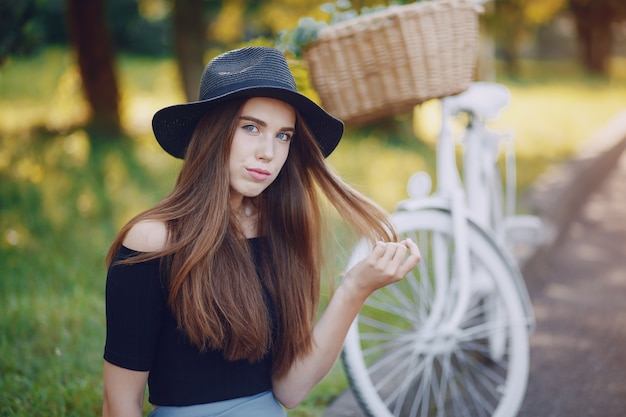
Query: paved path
[[578, 353], [578, 289]]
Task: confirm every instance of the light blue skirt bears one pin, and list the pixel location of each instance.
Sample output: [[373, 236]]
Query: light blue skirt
[[259, 405]]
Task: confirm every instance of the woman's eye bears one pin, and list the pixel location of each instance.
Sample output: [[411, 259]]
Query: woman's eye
[[250, 128], [284, 136]]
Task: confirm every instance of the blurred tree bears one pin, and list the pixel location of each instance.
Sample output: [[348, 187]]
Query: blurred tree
[[227, 25], [139, 26], [594, 25], [190, 42], [513, 20], [19, 31], [96, 61], [200, 25]]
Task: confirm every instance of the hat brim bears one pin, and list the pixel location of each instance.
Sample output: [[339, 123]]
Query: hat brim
[[174, 125]]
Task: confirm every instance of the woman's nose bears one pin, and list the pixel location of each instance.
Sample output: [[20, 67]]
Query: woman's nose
[[265, 148]]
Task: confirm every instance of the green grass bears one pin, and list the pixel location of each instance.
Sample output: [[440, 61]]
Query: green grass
[[63, 196], [62, 199]]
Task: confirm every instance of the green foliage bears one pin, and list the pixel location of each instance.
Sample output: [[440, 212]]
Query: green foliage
[[56, 220], [306, 31], [134, 32], [26, 26], [19, 32]]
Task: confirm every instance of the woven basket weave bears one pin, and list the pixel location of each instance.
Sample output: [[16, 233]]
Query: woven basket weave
[[385, 63]]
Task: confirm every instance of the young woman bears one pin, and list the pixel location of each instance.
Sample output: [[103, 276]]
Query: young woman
[[212, 293]]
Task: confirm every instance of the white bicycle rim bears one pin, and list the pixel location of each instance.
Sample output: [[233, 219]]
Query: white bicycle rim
[[400, 364]]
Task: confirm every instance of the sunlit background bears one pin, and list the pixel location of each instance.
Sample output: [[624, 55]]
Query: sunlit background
[[70, 179]]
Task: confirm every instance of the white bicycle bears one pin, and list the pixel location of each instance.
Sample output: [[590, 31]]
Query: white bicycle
[[451, 339]]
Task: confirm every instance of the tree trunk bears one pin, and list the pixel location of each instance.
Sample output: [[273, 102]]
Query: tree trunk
[[508, 28], [189, 44], [96, 61], [511, 56], [593, 25]]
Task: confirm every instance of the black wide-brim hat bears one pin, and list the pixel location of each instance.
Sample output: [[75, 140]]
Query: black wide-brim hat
[[241, 73]]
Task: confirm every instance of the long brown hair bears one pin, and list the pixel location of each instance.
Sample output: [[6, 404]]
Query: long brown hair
[[211, 292]]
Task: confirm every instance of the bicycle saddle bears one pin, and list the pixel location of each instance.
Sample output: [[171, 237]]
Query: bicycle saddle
[[483, 100]]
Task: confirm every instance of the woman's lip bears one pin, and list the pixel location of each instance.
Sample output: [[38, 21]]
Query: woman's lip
[[258, 174]]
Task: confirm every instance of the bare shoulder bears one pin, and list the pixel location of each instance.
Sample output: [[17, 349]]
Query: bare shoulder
[[147, 236]]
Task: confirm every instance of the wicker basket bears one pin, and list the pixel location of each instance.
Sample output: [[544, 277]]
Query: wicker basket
[[385, 63]]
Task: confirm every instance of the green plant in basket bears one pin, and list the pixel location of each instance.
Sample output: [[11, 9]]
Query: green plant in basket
[[307, 29]]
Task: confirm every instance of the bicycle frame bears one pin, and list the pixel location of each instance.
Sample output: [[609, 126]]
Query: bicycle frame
[[472, 195]]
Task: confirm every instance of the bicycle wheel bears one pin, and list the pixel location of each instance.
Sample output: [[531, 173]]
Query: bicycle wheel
[[401, 356]]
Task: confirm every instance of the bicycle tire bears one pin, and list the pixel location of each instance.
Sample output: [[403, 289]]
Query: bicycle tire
[[396, 369]]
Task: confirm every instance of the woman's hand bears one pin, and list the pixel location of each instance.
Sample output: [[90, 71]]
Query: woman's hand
[[388, 262]]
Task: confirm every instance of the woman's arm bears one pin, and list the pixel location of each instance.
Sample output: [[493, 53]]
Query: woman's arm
[[386, 264], [123, 391], [132, 314]]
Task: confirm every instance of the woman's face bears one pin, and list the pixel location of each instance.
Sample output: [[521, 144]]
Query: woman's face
[[260, 146]]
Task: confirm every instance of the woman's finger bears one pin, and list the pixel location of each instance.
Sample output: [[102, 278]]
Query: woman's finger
[[412, 259]]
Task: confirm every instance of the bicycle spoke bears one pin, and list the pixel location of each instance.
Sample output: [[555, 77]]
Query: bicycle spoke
[[380, 325], [481, 405], [375, 350], [386, 361], [422, 397], [490, 378], [415, 368], [385, 306], [459, 403]]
